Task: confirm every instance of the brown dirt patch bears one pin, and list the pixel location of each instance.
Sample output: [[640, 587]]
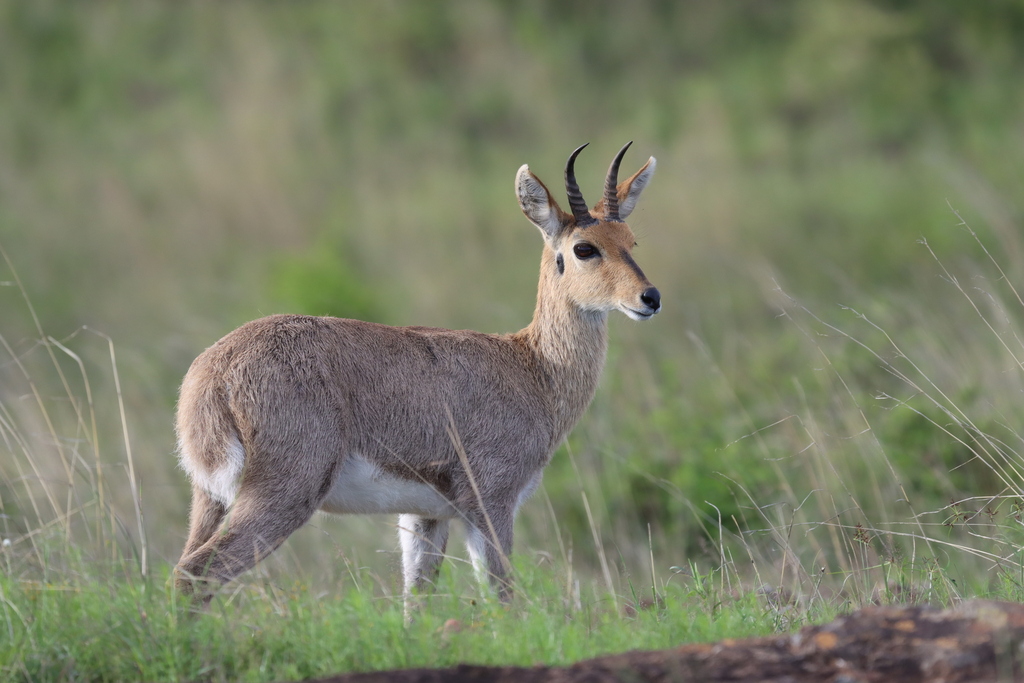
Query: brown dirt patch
[[979, 641]]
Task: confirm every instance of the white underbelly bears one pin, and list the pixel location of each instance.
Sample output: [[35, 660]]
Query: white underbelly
[[363, 488]]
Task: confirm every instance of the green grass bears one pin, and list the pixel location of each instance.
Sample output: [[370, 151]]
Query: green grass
[[117, 628]]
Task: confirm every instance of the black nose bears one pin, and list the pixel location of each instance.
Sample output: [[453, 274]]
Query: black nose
[[652, 298]]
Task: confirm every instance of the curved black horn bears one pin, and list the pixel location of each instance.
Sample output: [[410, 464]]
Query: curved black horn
[[611, 195], [572, 189]]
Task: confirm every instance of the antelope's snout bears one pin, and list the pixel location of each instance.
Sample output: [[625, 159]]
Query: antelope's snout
[[652, 299], [646, 307]]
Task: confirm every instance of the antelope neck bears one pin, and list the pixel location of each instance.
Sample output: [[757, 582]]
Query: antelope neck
[[570, 343]]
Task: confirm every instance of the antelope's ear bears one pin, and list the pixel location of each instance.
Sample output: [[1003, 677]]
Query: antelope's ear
[[538, 205], [629, 190]]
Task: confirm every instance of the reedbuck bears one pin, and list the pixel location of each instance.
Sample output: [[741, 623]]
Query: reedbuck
[[290, 414]]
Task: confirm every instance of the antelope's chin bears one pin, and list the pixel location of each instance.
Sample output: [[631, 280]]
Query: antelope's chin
[[639, 315]]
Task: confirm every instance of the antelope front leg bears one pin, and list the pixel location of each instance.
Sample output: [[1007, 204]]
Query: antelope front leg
[[490, 550], [423, 543]]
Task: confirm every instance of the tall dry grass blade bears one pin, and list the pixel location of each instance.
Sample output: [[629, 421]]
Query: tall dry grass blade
[[601, 556], [566, 553], [93, 431], [654, 578], [453, 434], [721, 549], [133, 482], [598, 545]]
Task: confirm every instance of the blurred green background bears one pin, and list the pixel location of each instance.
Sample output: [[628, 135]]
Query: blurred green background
[[169, 170]]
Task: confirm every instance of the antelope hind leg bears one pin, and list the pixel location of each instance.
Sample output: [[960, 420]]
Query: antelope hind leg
[[252, 530], [205, 518]]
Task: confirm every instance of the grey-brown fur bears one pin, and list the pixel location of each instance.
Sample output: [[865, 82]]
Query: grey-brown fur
[[304, 395]]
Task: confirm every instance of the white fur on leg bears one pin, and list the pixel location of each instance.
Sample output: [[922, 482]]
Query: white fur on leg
[[423, 542], [476, 545], [410, 548]]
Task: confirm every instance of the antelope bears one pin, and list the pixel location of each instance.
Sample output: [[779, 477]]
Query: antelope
[[291, 414]]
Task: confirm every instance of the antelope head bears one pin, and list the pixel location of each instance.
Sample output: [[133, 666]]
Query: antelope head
[[589, 251]]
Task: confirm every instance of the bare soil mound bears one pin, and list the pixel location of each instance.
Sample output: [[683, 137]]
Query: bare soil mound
[[978, 641]]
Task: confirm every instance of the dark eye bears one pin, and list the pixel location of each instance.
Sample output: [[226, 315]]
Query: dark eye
[[584, 250]]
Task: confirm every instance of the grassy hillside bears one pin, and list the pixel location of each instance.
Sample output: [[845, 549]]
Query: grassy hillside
[[828, 404]]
